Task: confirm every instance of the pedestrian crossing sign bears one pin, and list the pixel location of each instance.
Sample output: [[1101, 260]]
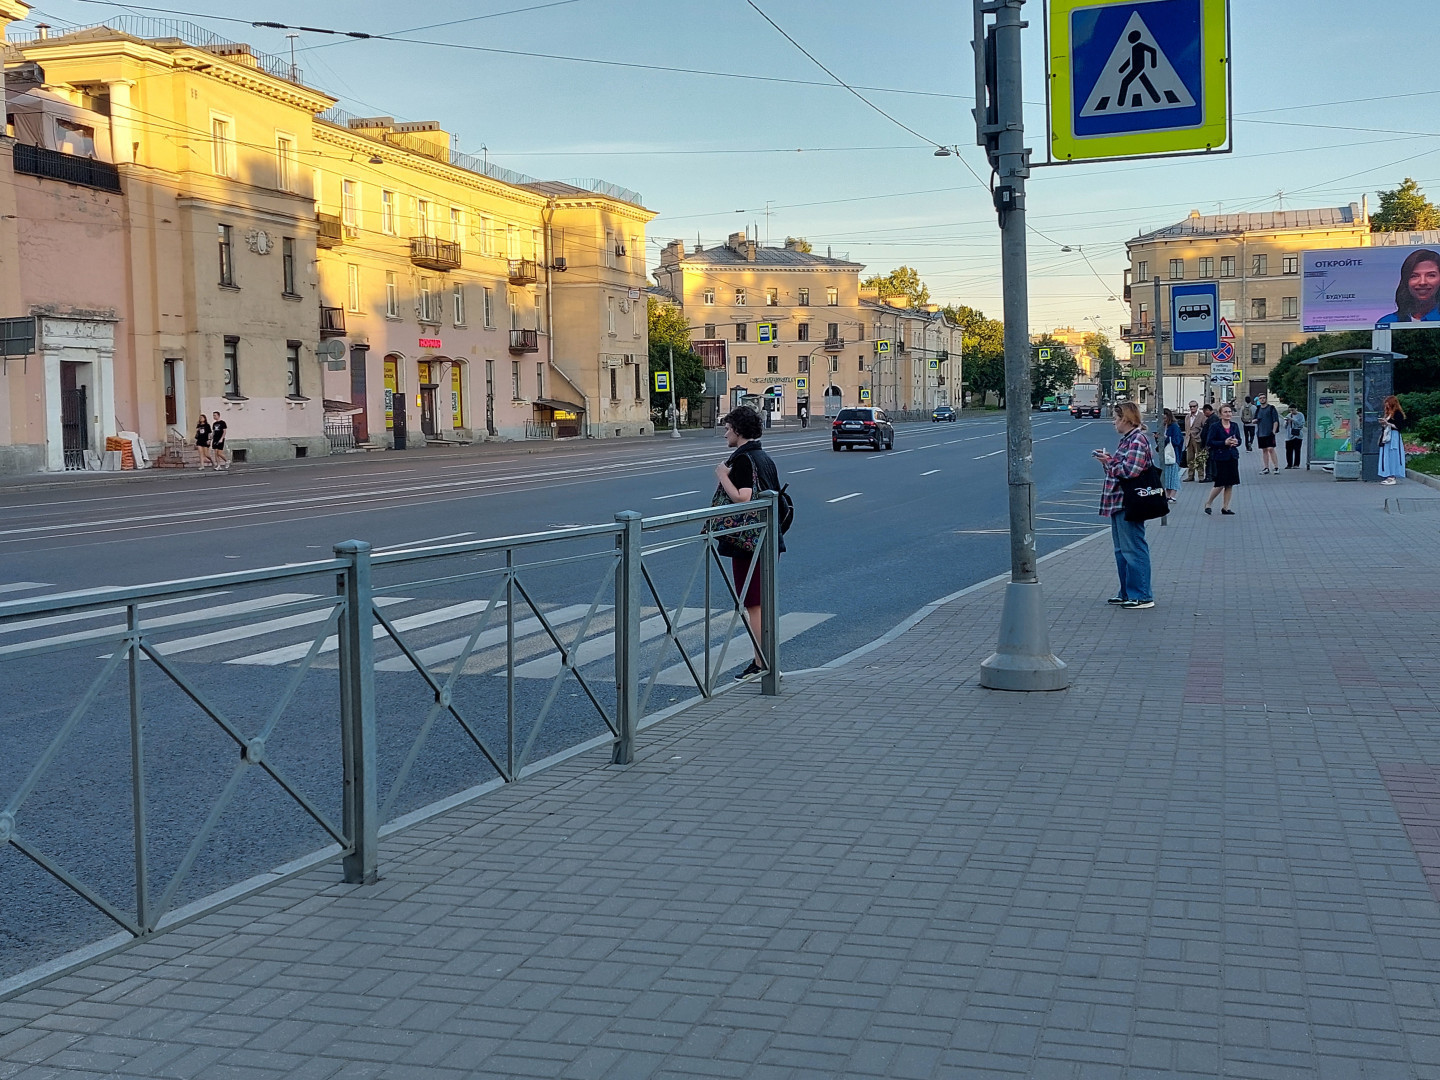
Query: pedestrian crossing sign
[[1137, 78], [864, 393], [1137, 348], [1044, 354]]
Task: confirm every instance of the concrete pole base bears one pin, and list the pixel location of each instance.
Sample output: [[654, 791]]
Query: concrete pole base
[[1023, 660]]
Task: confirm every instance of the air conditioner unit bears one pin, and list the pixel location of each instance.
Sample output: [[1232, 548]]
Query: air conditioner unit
[[559, 265], [619, 251], [352, 232], [629, 359]]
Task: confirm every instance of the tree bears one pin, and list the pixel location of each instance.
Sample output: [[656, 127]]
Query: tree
[[668, 332], [1056, 372], [902, 281], [1405, 209], [1418, 373], [982, 347], [1108, 369], [798, 243]]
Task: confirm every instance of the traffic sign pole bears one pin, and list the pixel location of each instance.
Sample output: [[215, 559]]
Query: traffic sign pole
[[674, 410], [1022, 659]]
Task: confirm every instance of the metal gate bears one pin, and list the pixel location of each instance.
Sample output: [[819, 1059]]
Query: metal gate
[[74, 427]]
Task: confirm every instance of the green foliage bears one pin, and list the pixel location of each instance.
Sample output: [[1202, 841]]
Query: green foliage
[[1287, 379], [799, 243], [982, 344], [668, 332], [902, 281], [1418, 406], [1426, 432], [1108, 370], [1405, 209], [1429, 464], [1051, 376]]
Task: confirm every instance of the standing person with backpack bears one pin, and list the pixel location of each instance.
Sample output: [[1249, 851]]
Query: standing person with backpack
[[741, 476]]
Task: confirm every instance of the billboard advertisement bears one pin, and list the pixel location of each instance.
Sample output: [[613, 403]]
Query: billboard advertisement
[[1362, 288]]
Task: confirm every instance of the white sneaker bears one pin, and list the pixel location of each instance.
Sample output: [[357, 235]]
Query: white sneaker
[[1388, 480]]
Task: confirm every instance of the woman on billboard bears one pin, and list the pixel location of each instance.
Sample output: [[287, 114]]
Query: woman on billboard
[[1417, 297]]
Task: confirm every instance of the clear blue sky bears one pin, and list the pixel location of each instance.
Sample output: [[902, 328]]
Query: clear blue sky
[[701, 147]]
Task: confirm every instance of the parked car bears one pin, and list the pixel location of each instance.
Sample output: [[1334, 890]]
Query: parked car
[[1050, 404], [944, 412], [862, 427]]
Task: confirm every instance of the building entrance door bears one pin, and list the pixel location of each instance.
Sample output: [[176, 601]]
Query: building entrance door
[[74, 419], [172, 408], [358, 390], [427, 411]]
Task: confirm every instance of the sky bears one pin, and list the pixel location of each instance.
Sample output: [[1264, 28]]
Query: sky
[[730, 125]]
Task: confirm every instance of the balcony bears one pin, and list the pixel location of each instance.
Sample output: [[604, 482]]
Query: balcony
[[834, 344], [524, 341], [53, 165], [524, 272], [434, 254], [332, 230], [332, 322]]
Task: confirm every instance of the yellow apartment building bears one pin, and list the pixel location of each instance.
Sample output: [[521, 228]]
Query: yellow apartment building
[[256, 253], [1074, 340], [916, 364], [790, 320], [1256, 258]]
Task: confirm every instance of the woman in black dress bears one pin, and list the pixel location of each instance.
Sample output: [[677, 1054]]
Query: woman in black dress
[[1223, 441], [202, 440]]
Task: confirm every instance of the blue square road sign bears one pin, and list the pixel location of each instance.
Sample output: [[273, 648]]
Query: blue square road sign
[[1195, 317]]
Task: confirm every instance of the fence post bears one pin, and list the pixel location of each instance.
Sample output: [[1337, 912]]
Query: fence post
[[627, 637], [357, 714], [770, 595]]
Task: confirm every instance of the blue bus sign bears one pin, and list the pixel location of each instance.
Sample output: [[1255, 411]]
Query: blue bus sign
[[1195, 317]]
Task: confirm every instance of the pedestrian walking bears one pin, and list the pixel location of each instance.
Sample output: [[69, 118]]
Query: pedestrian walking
[[1392, 442], [1267, 424], [1174, 441], [1196, 457], [746, 471], [217, 444], [202, 440], [1224, 445], [1132, 457], [1247, 421], [1294, 436]]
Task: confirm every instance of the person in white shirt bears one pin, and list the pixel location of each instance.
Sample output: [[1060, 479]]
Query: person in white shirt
[[1294, 436]]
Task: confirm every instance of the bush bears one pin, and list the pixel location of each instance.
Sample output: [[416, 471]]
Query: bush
[[1419, 406], [1427, 430]]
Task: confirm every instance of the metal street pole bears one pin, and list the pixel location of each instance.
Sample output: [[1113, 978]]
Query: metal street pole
[[1022, 659], [674, 409]]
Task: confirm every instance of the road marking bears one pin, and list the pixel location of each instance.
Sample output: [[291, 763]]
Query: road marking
[[407, 544], [992, 453], [81, 616], [842, 498], [254, 630], [24, 586], [797, 472], [598, 648], [740, 650], [677, 495], [981, 532], [477, 464], [932, 472], [287, 653], [928, 446], [495, 635], [897, 453]]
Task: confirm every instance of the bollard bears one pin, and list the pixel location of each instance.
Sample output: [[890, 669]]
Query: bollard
[[361, 821], [770, 594], [627, 637]]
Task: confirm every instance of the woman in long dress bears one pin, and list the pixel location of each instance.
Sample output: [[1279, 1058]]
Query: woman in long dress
[[1392, 441], [1176, 441]]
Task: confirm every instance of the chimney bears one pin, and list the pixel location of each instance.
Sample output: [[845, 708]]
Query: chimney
[[737, 241], [673, 253], [750, 246], [42, 30]]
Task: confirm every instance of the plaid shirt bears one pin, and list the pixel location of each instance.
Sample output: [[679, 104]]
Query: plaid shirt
[[1132, 457]]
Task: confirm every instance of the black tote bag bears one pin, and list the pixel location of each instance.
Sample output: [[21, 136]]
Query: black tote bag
[[1143, 497]]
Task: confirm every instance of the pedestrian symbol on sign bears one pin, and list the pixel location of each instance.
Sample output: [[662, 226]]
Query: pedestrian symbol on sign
[[1137, 78]]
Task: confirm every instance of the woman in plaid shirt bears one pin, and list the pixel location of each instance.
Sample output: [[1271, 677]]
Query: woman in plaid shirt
[[1132, 554]]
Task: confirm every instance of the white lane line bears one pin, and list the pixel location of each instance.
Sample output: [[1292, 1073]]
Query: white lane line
[[284, 655], [740, 649], [495, 635], [842, 498], [24, 586], [253, 630], [81, 616], [797, 472], [677, 495], [407, 544], [547, 667], [932, 472], [897, 453], [928, 446], [992, 453], [477, 464]]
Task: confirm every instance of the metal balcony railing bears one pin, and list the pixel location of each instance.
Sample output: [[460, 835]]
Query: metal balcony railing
[[524, 272], [53, 165], [434, 254], [332, 321], [834, 344], [524, 341], [331, 230]]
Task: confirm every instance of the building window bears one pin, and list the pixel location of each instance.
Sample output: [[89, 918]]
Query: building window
[[804, 300], [1257, 307], [392, 295], [515, 380], [292, 369], [742, 365], [639, 385], [860, 332], [232, 367], [1259, 265], [772, 365], [458, 296], [772, 297], [539, 322], [1227, 309], [287, 265], [1290, 264], [1177, 269], [539, 380], [1285, 347], [1144, 315], [709, 297], [512, 300], [832, 297], [350, 203], [512, 242], [609, 254], [387, 212], [424, 223], [802, 331], [1207, 266], [834, 364], [1142, 270], [804, 365], [1257, 353], [1177, 359], [742, 331], [862, 363], [457, 226], [285, 162], [487, 307], [710, 330], [1289, 307], [222, 146], [1227, 265], [428, 312], [739, 297], [352, 287], [614, 385], [610, 315], [227, 256], [487, 236]]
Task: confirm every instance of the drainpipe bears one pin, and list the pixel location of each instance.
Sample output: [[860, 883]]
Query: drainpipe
[[548, 216]]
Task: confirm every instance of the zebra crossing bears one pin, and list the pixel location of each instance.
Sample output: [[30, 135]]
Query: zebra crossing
[[279, 629]]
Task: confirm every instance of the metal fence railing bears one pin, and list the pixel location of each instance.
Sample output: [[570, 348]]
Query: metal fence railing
[[138, 778]]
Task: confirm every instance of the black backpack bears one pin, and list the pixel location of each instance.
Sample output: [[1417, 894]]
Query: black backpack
[[787, 508]]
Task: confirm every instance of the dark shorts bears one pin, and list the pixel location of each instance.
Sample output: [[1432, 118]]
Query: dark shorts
[[739, 567], [1267, 442]]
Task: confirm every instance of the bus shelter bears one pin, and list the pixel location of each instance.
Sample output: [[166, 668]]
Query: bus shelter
[[1343, 406]]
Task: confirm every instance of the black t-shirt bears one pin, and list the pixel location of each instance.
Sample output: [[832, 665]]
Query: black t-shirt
[[742, 471], [743, 464], [217, 434], [202, 433]]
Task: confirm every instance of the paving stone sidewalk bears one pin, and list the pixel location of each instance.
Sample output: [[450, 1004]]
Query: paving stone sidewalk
[[1216, 855]]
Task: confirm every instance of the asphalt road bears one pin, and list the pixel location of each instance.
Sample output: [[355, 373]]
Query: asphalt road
[[876, 536]]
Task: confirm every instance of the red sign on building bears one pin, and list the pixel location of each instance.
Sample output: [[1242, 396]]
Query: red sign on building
[[430, 343]]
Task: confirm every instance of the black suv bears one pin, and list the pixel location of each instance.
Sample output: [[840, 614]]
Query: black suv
[[862, 427]]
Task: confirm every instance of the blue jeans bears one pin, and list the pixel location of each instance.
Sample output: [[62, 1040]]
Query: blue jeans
[[1132, 557]]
